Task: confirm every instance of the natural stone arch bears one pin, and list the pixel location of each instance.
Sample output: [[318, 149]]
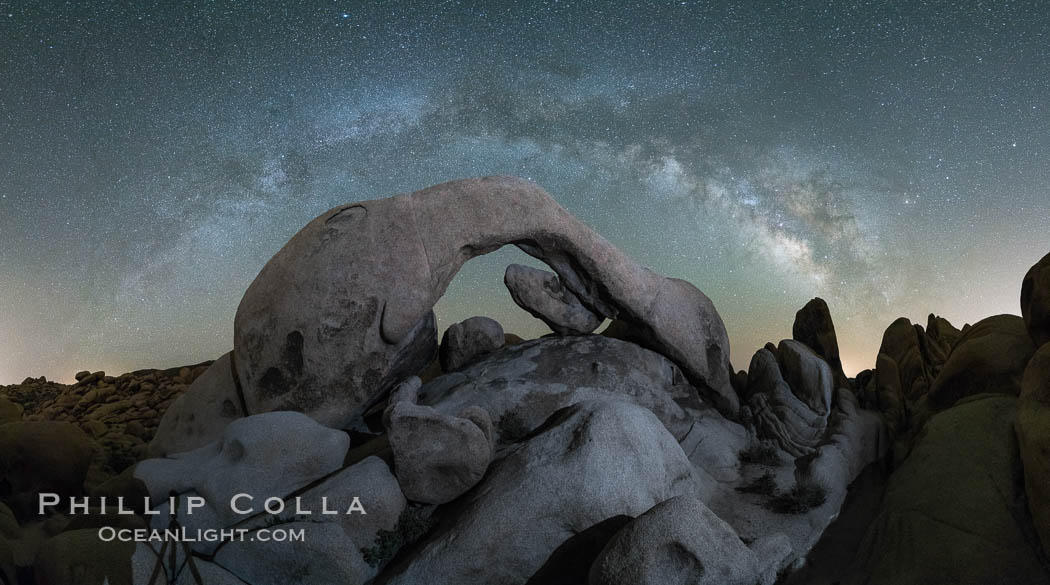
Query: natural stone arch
[[344, 310]]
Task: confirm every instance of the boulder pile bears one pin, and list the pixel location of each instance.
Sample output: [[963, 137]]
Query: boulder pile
[[634, 455]]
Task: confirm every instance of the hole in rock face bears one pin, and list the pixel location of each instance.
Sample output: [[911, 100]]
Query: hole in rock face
[[276, 381], [293, 353], [715, 355], [272, 383], [229, 410], [478, 289], [233, 450]]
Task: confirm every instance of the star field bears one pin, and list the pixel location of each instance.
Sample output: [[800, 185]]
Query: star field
[[888, 157]]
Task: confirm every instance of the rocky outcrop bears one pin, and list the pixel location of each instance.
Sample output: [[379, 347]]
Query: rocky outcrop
[[326, 556], [889, 399], [119, 413], [904, 343], [952, 512], [79, 557], [42, 456], [10, 411], [266, 455], [542, 294], [713, 444], [570, 562], [990, 357], [679, 541], [343, 311], [813, 326], [941, 333], [198, 416], [1035, 301], [910, 360], [1033, 435], [589, 462], [438, 457], [288, 456], [808, 375], [468, 340], [521, 386], [789, 396]]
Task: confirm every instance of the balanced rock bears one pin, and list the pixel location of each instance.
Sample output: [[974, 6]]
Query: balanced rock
[[1033, 435], [343, 311], [1035, 301], [467, 340], [542, 294], [199, 415], [813, 326], [589, 462], [438, 457], [990, 357], [678, 541]]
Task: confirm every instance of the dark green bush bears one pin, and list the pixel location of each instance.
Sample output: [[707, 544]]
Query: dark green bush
[[764, 484], [760, 454], [511, 427], [414, 522], [802, 497]]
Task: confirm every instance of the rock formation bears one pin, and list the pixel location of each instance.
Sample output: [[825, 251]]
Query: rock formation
[[541, 294], [198, 416], [576, 458], [42, 456], [905, 344], [1033, 435], [679, 540], [284, 455], [467, 340], [343, 311], [813, 327], [522, 385], [438, 457], [1035, 301], [588, 462], [990, 357], [790, 396], [952, 511]]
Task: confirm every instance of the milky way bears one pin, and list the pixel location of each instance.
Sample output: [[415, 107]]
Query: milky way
[[890, 159]]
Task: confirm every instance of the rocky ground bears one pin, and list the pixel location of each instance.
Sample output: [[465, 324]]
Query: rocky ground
[[636, 455]]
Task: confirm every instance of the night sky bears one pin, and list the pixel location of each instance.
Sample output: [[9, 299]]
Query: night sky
[[892, 159]]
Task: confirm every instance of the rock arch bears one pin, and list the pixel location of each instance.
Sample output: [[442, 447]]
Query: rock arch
[[344, 310]]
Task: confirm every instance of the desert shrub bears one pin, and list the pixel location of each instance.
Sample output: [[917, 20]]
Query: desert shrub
[[802, 497], [511, 427], [764, 484], [761, 454], [117, 459], [414, 522]]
